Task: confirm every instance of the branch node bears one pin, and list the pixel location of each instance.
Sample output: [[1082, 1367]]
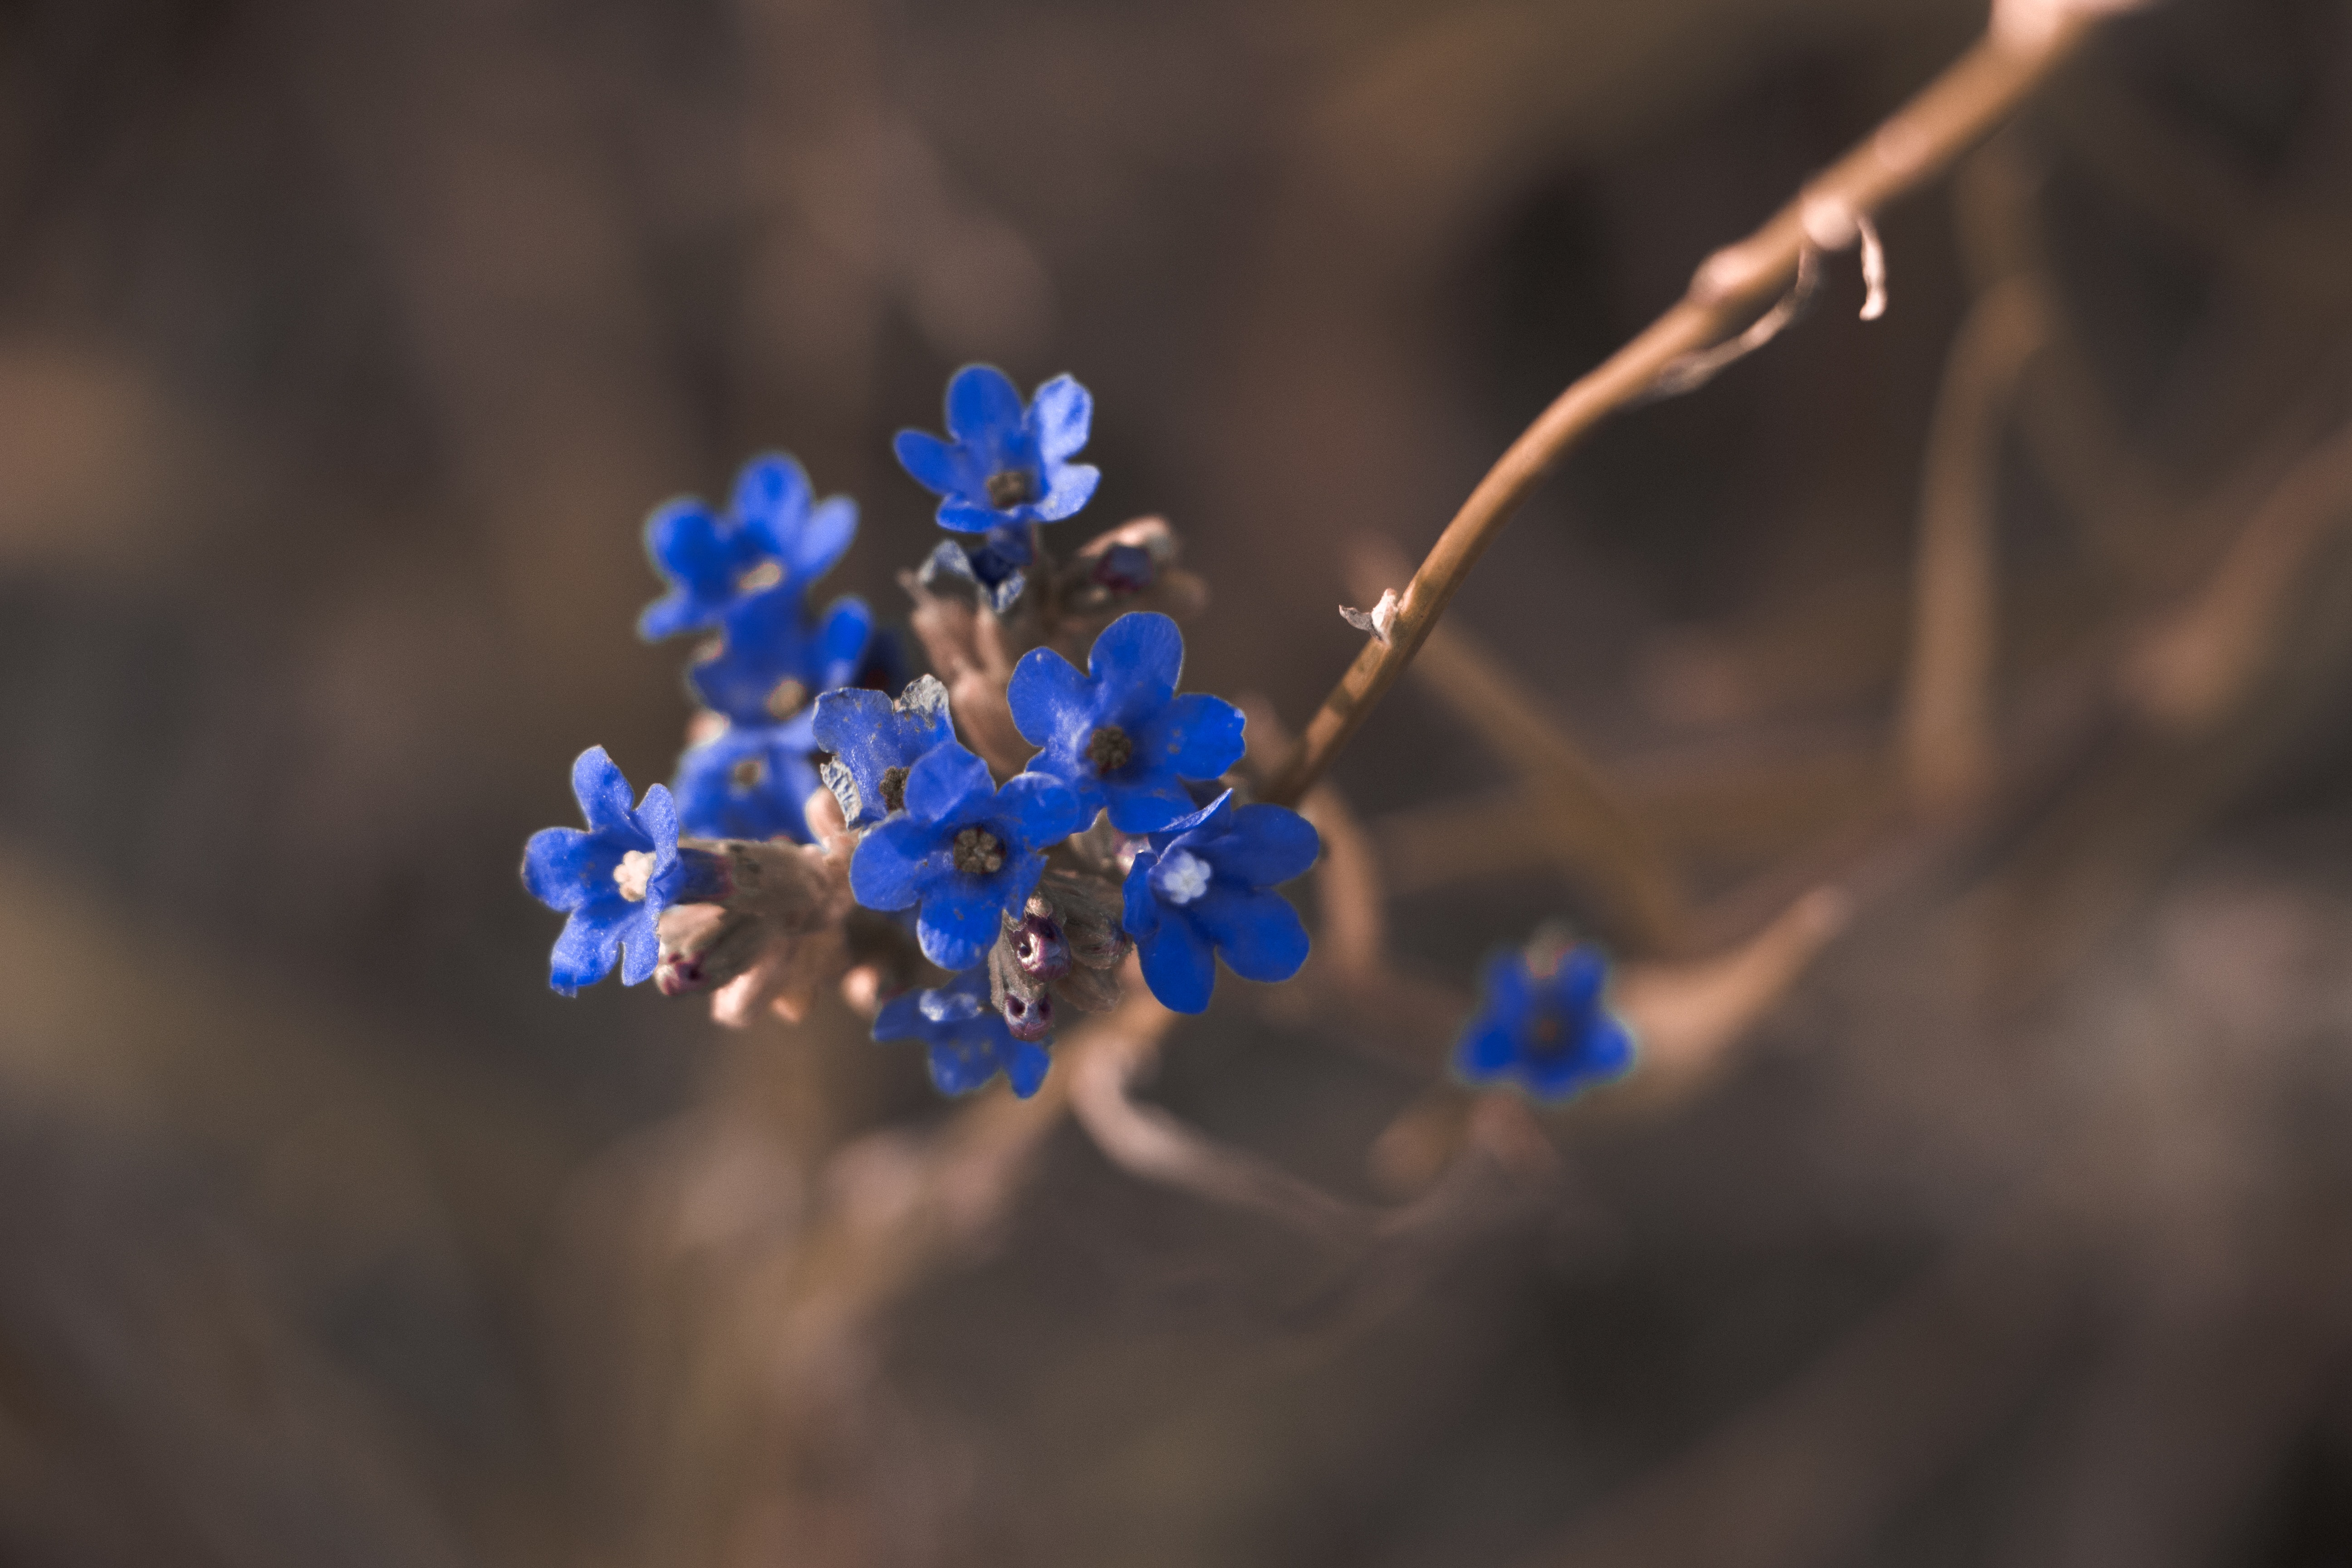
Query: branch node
[[1378, 620]]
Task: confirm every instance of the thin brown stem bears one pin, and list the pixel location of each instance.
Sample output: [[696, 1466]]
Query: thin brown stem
[[1922, 139]]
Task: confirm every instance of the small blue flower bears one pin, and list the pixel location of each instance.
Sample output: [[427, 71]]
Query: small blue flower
[[1118, 735], [1544, 1027], [768, 537], [584, 875], [969, 1042], [876, 742], [749, 781], [997, 566], [772, 663], [964, 850], [1007, 465], [1202, 888]]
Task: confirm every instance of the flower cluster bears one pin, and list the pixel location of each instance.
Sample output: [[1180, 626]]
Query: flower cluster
[[979, 849]]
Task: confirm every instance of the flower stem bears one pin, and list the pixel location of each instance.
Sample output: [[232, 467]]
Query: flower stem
[[1919, 141]]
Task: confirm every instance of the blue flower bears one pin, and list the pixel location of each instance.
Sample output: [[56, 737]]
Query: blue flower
[[1202, 888], [770, 662], [749, 781], [964, 850], [968, 1039], [1118, 735], [1007, 465], [768, 537], [1544, 1027], [589, 877], [876, 742]]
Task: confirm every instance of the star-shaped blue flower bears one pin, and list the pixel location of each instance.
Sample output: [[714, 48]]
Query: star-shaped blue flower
[[1008, 464], [576, 872], [964, 850], [771, 662], [749, 781], [969, 1042], [1544, 1029], [769, 537], [876, 742], [1118, 736], [1202, 888]]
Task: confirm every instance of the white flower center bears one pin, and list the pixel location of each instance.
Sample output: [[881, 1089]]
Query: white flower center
[[1183, 877], [636, 869]]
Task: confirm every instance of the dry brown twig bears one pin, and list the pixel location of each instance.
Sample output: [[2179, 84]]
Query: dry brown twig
[[2027, 40], [1947, 721]]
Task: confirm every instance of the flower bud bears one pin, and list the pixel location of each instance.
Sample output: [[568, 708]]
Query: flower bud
[[1039, 948], [1029, 1018]]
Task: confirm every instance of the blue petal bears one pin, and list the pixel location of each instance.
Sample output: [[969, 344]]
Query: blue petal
[[1487, 1049], [1261, 934], [935, 466], [1208, 823], [1179, 965], [959, 923], [772, 498], [561, 867], [851, 721], [822, 540], [949, 782], [1196, 735], [604, 796], [1267, 844], [960, 1001], [1145, 804], [1012, 886], [1050, 700], [1582, 971], [1608, 1048], [960, 1066], [894, 862], [657, 818], [841, 643], [1072, 487], [1024, 1067], [1141, 656], [970, 517], [1505, 983], [588, 946], [637, 933], [700, 560], [901, 1017], [1074, 774], [1060, 417], [1045, 810], [983, 405], [1140, 916]]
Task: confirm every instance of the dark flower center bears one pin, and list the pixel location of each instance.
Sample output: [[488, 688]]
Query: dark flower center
[[894, 789], [979, 852], [748, 773], [1012, 488], [1110, 749], [1547, 1029]]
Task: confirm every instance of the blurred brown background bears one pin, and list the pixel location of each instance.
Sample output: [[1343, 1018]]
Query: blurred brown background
[[342, 351]]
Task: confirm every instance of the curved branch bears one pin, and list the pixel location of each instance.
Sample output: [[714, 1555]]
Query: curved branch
[[1946, 117]]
